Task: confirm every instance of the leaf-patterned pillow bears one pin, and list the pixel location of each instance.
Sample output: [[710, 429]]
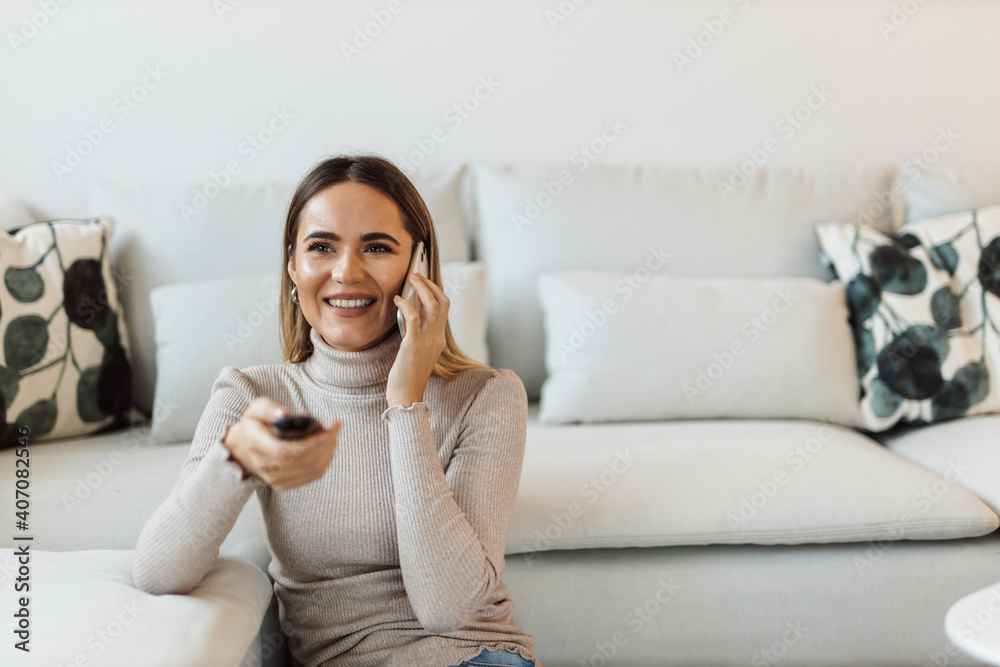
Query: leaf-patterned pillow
[[65, 370], [925, 309]]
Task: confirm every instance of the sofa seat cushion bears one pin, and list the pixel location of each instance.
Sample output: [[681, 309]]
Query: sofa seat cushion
[[695, 482], [98, 492], [85, 610], [965, 450]]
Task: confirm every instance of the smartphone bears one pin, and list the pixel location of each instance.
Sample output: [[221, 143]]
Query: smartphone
[[418, 263]]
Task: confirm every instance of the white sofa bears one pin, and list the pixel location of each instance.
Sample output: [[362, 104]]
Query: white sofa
[[694, 540]]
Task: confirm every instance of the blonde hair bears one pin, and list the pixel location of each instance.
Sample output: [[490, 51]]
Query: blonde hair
[[384, 176]]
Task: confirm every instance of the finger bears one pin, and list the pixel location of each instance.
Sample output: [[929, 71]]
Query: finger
[[426, 287], [266, 410], [431, 296], [268, 452], [410, 315]]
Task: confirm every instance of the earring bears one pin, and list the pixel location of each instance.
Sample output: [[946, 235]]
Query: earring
[[295, 296]]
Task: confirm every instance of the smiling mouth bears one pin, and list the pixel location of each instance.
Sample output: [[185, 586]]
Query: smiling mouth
[[350, 303]]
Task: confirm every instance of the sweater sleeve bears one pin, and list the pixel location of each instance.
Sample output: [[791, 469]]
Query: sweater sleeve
[[452, 527], [181, 539]]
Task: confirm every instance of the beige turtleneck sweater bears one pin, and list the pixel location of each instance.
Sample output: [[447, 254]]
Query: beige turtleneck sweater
[[394, 556]]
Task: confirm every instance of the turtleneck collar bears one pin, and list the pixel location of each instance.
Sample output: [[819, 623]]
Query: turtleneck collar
[[351, 372]]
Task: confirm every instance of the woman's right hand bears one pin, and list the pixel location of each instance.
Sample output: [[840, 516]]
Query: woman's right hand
[[282, 464]]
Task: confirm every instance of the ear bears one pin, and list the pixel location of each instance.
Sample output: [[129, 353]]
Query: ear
[[291, 268]]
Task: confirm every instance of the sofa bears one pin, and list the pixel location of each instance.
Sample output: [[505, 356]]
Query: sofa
[[700, 486]]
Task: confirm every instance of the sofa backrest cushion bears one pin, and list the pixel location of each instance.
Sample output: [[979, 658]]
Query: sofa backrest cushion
[[941, 191], [535, 218]]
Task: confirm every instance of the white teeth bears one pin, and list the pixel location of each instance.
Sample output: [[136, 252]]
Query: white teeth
[[350, 303]]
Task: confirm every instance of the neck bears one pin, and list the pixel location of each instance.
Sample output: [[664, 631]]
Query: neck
[[352, 371]]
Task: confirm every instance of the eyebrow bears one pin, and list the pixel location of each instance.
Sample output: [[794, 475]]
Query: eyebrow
[[370, 236]]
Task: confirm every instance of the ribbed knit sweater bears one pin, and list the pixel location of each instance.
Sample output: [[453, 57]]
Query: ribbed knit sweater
[[394, 556]]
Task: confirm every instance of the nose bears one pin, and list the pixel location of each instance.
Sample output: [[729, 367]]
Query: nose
[[348, 268]]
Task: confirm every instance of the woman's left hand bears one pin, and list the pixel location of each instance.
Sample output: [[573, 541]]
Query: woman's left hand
[[423, 344]]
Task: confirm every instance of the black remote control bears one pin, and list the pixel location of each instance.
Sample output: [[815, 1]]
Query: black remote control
[[294, 427]]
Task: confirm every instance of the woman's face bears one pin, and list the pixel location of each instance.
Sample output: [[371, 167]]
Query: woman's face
[[351, 247]]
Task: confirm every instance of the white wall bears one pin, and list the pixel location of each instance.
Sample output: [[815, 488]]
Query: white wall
[[557, 86]]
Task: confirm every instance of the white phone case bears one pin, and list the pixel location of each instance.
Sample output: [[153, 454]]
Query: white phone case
[[418, 263]]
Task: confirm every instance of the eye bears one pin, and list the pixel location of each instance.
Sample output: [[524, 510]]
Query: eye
[[381, 246], [318, 244]]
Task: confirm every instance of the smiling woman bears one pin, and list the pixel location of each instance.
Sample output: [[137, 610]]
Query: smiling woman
[[351, 227], [346, 279], [388, 526]]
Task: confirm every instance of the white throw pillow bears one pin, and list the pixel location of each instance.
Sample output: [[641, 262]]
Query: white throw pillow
[[536, 218], [203, 326], [623, 347]]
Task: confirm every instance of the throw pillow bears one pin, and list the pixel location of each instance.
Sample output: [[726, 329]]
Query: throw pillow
[[924, 312], [681, 347], [65, 369]]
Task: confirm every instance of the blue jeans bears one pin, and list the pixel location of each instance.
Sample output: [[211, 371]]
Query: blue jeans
[[489, 658]]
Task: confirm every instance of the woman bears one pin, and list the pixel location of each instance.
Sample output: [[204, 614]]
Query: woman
[[388, 527]]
